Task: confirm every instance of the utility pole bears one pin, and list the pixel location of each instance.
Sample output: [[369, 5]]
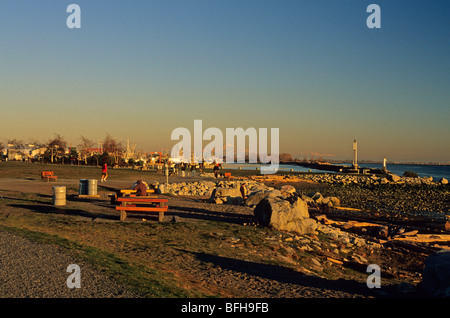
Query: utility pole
[[355, 154]]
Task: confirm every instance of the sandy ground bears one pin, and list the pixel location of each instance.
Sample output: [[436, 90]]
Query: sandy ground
[[252, 279]]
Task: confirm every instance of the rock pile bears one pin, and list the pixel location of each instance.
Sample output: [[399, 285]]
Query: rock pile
[[283, 209], [371, 179], [185, 188], [205, 188], [316, 199], [226, 196]]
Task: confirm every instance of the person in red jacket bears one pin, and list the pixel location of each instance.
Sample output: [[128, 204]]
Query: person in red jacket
[[104, 172]]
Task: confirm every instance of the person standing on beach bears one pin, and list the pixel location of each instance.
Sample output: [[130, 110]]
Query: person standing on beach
[[193, 169], [183, 169], [104, 172], [216, 170]]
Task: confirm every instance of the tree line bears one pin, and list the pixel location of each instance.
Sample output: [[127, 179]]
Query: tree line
[[57, 150]]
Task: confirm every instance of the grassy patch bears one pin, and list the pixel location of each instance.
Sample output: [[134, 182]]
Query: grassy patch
[[143, 280]]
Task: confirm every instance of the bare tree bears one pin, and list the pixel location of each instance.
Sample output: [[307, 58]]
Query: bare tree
[[285, 157], [85, 146], [56, 147], [36, 143], [17, 144], [112, 147]]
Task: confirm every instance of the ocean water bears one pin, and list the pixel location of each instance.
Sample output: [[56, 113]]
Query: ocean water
[[254, 166], [435, 171]]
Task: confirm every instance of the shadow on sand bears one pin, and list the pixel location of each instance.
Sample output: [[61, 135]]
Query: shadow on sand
[[62, 210], [286, 275], [208, 215]]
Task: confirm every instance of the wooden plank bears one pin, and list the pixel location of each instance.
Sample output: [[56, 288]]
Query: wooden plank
[[412, 247], [141, 197], [346, 209], [123, 215], [141, 208], [333, 260], [351, 224], [130, 191], [425, 238], [141, 200]]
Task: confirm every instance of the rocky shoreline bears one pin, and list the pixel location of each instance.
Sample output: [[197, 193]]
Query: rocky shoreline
[[286, 203], [371, 179], [391, 194], [390, 197]]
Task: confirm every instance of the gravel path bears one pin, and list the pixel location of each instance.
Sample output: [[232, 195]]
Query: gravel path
[[33, 270]]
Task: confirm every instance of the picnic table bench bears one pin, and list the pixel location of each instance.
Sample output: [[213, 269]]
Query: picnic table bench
[[142, 204], [48, 175]]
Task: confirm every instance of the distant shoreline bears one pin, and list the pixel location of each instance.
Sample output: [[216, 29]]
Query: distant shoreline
[[422, 170], [395, 163]]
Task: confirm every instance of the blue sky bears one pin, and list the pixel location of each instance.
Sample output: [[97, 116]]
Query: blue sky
[[139, 69]]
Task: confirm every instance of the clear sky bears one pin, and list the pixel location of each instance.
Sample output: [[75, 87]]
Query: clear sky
[[139, 69]]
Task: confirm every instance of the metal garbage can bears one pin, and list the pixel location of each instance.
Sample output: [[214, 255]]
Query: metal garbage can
[[59, 195], [92, 187], [82, 190]]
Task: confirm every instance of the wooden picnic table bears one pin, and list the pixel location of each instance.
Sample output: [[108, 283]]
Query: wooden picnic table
[[48, 176], [141, 204]]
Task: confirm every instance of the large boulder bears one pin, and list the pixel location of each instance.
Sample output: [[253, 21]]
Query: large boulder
[[288, 189], [282, 215], [436, 274], [256, 188], [393, 177], [317, 199], [226, 196], [331, 202], [256, 197], [427, 180]]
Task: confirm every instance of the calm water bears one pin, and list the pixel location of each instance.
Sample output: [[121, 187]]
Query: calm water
[[435, 171]]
